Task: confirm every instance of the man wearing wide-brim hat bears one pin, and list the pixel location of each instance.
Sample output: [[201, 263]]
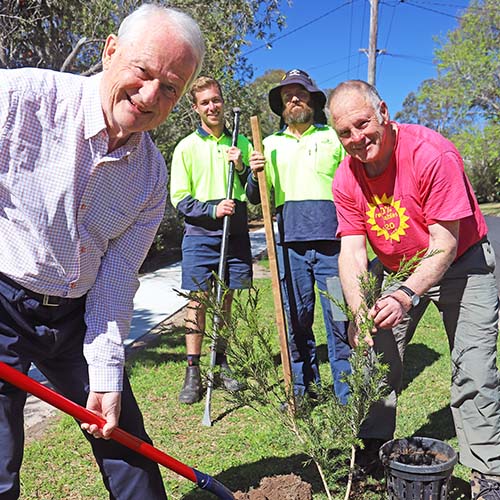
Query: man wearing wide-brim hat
[[300, 161]]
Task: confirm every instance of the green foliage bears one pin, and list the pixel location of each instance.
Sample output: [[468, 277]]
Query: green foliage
[[470, 63], [479, 147], [57, 34], [260, 87], [463, 101], [467, 86], [326, 429], [372, 287], [433, 109]]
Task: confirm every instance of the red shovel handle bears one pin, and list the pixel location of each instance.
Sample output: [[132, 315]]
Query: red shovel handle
[[81, 414]]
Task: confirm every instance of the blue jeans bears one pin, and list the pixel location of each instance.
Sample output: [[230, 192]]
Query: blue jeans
[[302, 265], [52, 337]]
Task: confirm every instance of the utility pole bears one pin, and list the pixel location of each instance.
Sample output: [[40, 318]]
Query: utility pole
[[372, 46]]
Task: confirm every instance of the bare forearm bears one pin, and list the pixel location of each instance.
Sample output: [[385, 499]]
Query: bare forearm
[[437, 259]]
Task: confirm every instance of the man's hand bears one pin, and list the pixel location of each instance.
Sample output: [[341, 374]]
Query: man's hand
[[108, 406], [390, 310], [234, 155], [353, 335], [225, 207], [257, 163]]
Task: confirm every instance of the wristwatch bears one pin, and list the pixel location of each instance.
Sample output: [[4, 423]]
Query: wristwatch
[[415, 299]]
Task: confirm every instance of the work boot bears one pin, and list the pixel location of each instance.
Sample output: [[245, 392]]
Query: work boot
[[484, 487], [367, 461], [191, 390], [230, 383]]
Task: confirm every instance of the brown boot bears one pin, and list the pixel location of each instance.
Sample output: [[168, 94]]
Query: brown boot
[[484, 487], [367, 460], [191, 390]]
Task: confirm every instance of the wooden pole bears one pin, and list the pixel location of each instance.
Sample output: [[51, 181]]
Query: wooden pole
[[273, 265], [372, 47]]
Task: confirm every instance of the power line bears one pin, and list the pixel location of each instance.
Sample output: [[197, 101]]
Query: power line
[[427, 9], [423, 60], [328, 63], [341, 73], [316, 19]]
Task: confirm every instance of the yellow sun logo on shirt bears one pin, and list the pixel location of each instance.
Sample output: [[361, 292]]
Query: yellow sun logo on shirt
[[387, 217]]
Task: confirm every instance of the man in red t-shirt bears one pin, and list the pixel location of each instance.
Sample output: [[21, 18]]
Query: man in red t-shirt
[[403, 188]]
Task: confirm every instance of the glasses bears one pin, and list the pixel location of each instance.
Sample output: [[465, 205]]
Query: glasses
[[302, 95]]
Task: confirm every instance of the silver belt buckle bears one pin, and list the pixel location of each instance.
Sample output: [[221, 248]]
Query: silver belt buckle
[[46, 302]]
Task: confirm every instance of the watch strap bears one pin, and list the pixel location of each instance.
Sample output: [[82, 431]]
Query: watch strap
[[408, 291]]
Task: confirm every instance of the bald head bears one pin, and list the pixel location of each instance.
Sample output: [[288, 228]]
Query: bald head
[[361, 120], [355, 89]]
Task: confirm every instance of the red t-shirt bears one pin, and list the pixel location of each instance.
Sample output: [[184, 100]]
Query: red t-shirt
[[424, 183]]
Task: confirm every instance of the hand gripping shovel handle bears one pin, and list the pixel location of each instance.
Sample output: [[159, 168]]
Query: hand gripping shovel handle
[[81, 414], [207, 420]]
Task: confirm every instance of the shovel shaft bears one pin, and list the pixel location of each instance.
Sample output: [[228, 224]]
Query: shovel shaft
[[207, 419], [81, 414]]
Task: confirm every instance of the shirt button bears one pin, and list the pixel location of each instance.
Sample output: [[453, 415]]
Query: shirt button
[[83, 206], [72, 285], [83, 249]]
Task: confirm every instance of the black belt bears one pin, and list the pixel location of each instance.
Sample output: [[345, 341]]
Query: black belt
[[484, 239], [46, 300]]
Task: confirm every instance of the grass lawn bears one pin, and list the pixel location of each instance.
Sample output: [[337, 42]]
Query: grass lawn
[[241, 447]]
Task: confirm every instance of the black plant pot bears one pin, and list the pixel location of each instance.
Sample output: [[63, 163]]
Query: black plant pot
[[417, 468]]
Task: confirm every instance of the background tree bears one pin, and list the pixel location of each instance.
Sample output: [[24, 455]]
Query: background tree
[[480, 149], [433, 108], [259, 88], [58, 34], [463, 101], [469, 61]]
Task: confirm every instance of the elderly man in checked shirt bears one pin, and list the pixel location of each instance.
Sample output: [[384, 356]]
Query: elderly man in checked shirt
[[82, 193]]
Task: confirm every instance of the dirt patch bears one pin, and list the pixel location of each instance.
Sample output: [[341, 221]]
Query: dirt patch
[[286, 487]]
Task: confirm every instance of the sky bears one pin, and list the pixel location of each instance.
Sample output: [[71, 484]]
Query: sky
[[323, 37]]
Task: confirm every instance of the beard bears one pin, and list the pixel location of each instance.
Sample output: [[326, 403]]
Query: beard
[[298, 115]]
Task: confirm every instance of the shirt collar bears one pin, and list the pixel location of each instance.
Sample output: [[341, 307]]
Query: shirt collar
[[308, 131], [91, 105], [201, 131]]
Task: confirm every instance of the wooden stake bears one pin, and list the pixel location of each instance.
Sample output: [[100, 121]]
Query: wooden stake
[[273, 265]]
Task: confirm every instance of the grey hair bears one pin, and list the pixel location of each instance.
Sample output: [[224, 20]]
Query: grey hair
[[183, 25], [361, 87]]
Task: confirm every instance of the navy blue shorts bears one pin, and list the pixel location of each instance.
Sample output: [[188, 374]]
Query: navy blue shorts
[[201, 255]]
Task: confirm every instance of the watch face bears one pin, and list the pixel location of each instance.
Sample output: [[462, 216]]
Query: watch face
[[415, 299]]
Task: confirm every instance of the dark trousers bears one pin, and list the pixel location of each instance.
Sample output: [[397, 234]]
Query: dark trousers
[[302, 267], [52, 338]]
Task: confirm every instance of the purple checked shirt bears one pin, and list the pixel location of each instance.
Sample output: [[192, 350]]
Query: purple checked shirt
[[79, 220]]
